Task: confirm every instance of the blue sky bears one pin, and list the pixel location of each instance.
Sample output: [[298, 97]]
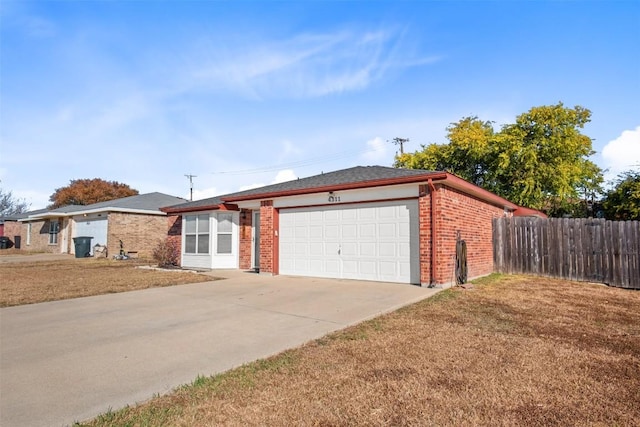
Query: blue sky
[[246, 93]]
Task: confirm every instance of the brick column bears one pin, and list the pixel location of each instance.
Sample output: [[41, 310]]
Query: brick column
[[268, 238], [246, 223], [424, 221]]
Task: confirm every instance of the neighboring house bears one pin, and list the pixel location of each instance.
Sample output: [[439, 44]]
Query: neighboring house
[[137, 221], [13, 228], [369, 223]]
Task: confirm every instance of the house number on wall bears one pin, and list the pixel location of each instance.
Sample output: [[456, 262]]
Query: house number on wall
[[333, 199]]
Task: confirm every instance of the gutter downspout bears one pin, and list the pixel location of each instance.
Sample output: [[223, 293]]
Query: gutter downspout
[[432, 190]]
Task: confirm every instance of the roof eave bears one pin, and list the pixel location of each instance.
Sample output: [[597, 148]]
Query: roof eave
[[472, 189], [338, 187]]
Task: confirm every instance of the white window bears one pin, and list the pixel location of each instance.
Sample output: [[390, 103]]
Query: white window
[[196, 234], [54, 228], [28, 234], [225, 228]]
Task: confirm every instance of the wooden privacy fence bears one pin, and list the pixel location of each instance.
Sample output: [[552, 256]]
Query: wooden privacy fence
[[592, 250]]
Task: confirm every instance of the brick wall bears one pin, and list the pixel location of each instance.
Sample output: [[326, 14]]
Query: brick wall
[[40, 237], [138, 232], [267, 246], [246, 219], [456, 211], [174, 233], [424, 215], [13, 229]]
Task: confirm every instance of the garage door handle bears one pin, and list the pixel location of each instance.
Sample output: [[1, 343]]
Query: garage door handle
[[339, 249]]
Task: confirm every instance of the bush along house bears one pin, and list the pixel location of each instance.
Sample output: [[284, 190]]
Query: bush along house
[[367, 223]]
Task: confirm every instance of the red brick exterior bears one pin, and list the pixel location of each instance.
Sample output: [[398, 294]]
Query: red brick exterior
[[455, 211], [424, 215], [268, 239], [246, 220], [460, 212], [138, 232]]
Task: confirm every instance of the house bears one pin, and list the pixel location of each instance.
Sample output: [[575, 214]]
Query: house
[[367, 222], [137, 221]]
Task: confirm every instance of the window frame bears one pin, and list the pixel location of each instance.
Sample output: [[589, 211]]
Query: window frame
[[54, 229], [201, 234], [228, 232]]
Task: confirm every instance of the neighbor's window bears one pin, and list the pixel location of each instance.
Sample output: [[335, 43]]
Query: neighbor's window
[[196, 234], [54, 228], [28, 234], [225, 226]]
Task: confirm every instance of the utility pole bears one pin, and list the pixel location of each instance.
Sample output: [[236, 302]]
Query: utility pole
[[400, 142], [191, 184]]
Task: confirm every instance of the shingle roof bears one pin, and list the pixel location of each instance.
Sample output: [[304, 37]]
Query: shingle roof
[[139, 202], [16, 217], [203, 203], [358, 174]]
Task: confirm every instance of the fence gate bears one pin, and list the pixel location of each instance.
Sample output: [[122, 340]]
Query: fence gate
[[592, 250]]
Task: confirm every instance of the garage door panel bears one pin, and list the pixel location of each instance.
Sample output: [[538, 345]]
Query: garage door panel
[[388, 268], [387, 231], [302, 249], [374, 241], [331, 216], [387, 249], [349, 249], [315, 232], [367, 249], [366, 213], [404, 250], [367, 231], [316, 249], [332, 268], [349, 231], [331, 231]]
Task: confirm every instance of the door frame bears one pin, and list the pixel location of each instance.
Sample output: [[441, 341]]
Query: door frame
[[255, 241]]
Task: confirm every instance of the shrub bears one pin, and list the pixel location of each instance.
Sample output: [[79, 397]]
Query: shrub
[[166, 253]]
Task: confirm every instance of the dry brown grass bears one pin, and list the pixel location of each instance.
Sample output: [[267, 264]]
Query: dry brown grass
[[513, 351], [33, 282]]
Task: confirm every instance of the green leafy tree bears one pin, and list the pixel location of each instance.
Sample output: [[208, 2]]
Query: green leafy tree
[[10, 205], [89, 191], [622, 202], [540, 161]]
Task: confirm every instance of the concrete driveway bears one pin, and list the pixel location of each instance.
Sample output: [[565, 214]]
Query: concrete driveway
[[71, 360]]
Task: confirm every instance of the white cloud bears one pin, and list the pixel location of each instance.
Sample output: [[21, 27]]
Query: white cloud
[[377, 151], [284, 176], [203, 194], [623, 153], [307, 65], [35, 199]]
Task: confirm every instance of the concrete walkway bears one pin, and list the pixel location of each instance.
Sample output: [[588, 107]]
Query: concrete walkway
[[71, 360]]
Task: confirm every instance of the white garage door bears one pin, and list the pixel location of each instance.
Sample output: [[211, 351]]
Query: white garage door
[[373, 241], [93, 227]]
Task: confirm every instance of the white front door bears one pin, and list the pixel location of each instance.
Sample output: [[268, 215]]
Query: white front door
[[372, 241]]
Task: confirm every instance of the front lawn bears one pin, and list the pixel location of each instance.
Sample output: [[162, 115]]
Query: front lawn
[[33, 282], [512, 351]]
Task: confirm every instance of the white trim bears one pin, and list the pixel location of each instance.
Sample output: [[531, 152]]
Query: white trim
[[91, 211], [369, 194]]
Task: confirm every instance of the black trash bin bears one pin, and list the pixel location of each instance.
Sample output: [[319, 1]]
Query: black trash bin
[[83, 246], [4, 242]]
